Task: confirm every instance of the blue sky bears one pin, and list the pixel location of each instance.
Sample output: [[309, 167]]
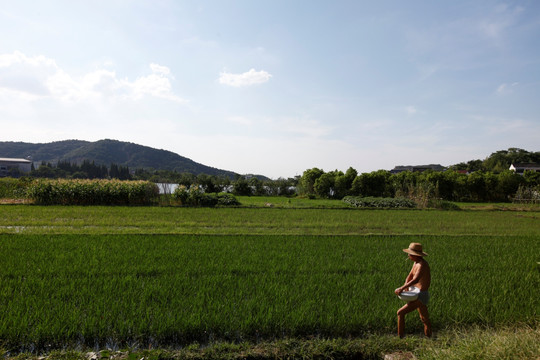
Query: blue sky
[[276, 87]]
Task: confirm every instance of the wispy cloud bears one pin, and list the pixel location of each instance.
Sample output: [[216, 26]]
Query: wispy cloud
[[33, 77], [411, 110], [505, 88], [240, 120], [501, 18], [506, 127], [299, 126], [249, 78]]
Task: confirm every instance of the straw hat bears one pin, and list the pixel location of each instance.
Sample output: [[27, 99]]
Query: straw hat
[[415, 249]]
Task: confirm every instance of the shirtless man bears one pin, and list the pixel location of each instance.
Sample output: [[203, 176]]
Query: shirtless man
[[420, 276]]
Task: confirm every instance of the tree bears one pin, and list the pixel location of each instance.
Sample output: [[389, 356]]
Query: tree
[[477, 186], [257, 185], [509, 183], [307, 181], [207, 183], [324, 185], [376, 184], [501, 160], [241, 187], [343, 183]]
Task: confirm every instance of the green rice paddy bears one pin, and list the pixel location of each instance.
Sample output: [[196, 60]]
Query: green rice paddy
[[119, 276]]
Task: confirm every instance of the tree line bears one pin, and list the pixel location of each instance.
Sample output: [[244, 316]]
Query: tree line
[[85, 170], [241, 185], [485, 180], [448, 185]]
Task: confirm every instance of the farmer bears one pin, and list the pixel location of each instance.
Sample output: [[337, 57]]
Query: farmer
[[420, 276]]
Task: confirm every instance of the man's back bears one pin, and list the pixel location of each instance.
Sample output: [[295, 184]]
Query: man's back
[[423, 272]]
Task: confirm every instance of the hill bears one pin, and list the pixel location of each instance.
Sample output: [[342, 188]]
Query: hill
[[106, 152]]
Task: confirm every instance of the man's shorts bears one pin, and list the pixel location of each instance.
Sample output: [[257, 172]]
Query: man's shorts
[[423, 296]]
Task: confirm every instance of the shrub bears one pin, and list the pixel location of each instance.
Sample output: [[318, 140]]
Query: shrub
[[446, 205], [226, 199], [373, 202], [92, 192], [194, 196], [527, 195]]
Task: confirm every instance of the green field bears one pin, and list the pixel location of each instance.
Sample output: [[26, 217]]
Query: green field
[[133, 276], [29, 219]]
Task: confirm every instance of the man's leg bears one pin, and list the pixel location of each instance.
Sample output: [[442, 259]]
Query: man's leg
[[424, 316], [405, 309]]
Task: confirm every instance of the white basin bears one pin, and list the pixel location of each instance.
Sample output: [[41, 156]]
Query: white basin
[[410, 295]]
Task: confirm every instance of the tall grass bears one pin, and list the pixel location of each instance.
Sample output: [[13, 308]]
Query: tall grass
[[11, 188], [169, 289]]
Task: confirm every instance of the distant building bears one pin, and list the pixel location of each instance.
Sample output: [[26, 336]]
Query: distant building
[[520, 168], [417, 168], [9, 166]]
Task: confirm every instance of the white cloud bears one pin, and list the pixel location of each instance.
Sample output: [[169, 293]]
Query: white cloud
[[249, 78], [160, 70], [411, 110], [27, 77], [506, 88], [241, 120]]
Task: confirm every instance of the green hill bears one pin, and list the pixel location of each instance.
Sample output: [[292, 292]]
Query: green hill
[[106, 152]]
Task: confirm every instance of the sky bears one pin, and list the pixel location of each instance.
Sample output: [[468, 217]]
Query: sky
[[276, 87]]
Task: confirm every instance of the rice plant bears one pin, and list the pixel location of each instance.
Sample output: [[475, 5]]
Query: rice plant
[[169, 290]]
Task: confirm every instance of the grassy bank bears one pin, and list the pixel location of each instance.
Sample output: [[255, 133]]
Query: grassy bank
[[512, 343]]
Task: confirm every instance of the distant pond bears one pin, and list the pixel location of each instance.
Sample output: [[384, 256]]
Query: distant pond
[[166, 188]]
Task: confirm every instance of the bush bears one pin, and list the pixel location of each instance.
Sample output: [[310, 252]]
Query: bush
[[92, 192], [374, 202], [446, 205], [527, 195], [194, 196]]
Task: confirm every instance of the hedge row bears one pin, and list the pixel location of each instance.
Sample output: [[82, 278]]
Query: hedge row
[[92, 192], [374, 202]]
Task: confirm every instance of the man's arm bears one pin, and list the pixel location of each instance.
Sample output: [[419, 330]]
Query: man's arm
[[413, 278]]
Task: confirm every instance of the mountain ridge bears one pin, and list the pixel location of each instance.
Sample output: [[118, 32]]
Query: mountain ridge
[[107, 151]]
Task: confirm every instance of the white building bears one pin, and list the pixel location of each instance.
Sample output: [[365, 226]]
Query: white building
[[520, 168], [7, 166]]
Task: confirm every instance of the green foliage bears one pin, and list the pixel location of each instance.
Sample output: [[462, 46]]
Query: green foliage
[[242, 187], [195, 196], [11, 188], [86, 170], [527, 195], [502, 159], [92, 192], [306, 184], [376, 202], [324, 185], [372, 184]]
